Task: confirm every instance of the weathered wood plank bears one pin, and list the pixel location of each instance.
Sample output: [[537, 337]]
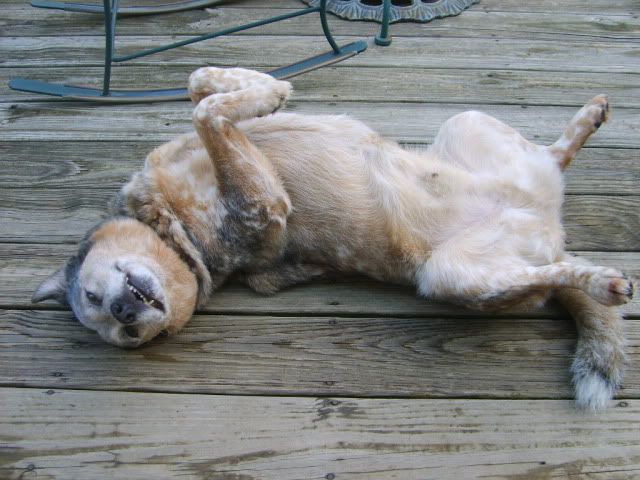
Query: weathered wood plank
[[387, 357], [70, 434], [375, 84], [406, 122], [592, 222], [623, 7], [603, 7], [24, 266], [70, 165], [23, 20], [589, 219], [277, 50]]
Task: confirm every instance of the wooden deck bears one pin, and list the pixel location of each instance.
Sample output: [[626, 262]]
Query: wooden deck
[[354, 380]]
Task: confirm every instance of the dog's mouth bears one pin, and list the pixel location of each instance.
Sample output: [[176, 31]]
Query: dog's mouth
[[143, 294]]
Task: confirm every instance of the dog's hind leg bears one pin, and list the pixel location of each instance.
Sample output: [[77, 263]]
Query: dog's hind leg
[[256, 203], [582, 125], [590, 293], [599, 359], [590, 298], [495, 286]]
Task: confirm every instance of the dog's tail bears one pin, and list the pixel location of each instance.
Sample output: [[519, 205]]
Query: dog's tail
[[599, 361], [582, 125]]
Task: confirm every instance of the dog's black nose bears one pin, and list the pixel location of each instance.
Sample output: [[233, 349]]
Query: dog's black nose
[[123, 313]]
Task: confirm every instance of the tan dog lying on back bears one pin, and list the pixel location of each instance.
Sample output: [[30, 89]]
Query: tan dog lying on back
[[279, 199]]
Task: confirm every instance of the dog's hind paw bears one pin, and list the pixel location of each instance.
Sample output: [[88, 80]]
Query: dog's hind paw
[[611, 288], [597, 111]]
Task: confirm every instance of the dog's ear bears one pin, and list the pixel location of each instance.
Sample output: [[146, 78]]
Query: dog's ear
[[53, 288]]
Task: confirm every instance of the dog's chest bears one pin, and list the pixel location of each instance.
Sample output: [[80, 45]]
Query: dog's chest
[[191, 188]]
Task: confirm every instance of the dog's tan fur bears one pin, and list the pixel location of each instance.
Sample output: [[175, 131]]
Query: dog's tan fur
[[279, 199]]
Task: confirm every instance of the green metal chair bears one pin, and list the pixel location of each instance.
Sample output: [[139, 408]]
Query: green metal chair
[[111, 11]]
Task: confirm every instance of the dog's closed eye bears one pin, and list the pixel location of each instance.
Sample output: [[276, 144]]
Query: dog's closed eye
[[93, 298]]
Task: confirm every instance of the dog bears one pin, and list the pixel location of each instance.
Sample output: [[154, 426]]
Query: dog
[[280, 198]]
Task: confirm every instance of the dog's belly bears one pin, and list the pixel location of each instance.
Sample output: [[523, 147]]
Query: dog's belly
[[339, 222], [364, 204], [330, 167]]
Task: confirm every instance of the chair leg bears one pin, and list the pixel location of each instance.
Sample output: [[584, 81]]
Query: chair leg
[[325, 26], [110, 18], [384, 39]]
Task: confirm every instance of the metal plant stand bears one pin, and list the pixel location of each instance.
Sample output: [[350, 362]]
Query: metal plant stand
[[111, 11]]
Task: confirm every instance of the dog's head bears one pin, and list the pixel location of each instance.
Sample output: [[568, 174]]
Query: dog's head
[[125, 283]]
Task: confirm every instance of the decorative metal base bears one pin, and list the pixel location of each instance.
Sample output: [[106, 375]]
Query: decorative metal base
[[71, 92], [401, 10]]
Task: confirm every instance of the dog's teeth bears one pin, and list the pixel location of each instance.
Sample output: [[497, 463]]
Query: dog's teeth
[[151, 302]]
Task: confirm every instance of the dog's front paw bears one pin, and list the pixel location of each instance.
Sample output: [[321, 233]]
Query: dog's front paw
[[207, 81], [276, 98]]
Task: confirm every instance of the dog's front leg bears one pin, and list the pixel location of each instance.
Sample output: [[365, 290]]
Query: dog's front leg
[[270, 280], [256, 203]]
